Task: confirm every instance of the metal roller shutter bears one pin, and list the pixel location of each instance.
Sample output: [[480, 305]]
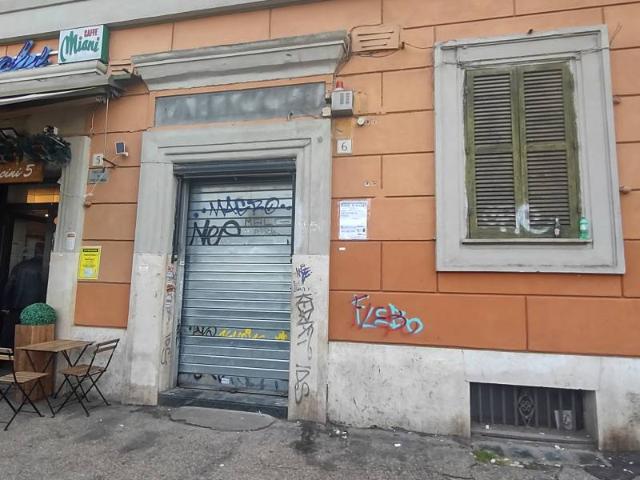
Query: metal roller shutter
[[237, 286]]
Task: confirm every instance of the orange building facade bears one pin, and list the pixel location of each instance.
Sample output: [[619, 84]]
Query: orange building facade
[[388, 325]]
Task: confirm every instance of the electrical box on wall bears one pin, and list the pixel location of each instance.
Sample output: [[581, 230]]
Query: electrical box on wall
[[342, 102]]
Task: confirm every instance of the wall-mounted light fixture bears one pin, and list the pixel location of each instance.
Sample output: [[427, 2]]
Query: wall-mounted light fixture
[[121, 149]]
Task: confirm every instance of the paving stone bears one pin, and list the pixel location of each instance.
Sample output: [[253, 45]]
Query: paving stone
[[223, 420]]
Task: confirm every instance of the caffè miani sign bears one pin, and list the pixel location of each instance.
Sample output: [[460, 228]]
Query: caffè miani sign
[[81, 44]]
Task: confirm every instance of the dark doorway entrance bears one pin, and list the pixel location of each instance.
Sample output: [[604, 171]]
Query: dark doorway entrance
[[28, 216]]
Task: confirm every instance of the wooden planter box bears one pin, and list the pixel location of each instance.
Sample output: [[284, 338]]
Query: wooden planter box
[[28, 335]]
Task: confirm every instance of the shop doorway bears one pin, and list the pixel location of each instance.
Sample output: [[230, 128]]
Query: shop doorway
[[236, 301], [27, 226]]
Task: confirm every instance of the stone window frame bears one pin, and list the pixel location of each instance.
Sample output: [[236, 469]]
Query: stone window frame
[[587, 51]]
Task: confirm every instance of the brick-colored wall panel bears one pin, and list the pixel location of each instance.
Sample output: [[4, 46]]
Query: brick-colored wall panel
[[115, 262], [355, 266], [473, 321], [631, 215], [393, 166], [416, 13], [530, 283], [110, 222], [408, 90], [520, 25], [102, 305], [404, 175], [356, 177], [121, 187], [584, 325], [221, 30], [624, 23], [524, 7], [631, 279], [416, 54], [38, 45], [396, 219], [107, 146], [629, 164], [627, 117], [140, 40], [409, 267], [625, 71], [324, 17], [368, 92], [402, 218], [395, 133], [126, 114]]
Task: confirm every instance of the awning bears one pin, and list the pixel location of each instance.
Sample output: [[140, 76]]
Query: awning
[[52, 96], [57, 83]]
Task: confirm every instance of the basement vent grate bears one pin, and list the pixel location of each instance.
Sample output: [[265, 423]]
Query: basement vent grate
[[521, 406]]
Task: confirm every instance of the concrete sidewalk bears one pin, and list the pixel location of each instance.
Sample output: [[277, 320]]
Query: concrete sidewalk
[[122, 442]]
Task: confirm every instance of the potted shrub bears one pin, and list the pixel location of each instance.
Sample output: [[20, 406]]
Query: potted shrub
[[38, 314], [37, 325]]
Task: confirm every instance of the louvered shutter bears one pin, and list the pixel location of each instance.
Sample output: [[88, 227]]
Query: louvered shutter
[[491, 153], [548, 144], [522, 170]]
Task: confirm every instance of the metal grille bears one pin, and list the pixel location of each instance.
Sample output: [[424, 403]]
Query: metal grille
[[237, 287], [518, 406]]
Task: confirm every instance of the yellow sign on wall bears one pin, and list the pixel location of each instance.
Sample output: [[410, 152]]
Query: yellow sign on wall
[[89, 267]]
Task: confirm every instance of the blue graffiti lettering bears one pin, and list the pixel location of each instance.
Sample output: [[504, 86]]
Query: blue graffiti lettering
[[389, 317], [303, 272]]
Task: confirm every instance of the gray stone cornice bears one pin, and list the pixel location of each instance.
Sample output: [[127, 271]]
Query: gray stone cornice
[[24, 19], [53, 78], [289, 57]]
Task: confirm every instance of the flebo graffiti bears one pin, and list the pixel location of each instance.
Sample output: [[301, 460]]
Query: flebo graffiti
[[387, 317]]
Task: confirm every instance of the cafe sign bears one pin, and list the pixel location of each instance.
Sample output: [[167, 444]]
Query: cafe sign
[[21, 172], [82, 44], [25, 60]]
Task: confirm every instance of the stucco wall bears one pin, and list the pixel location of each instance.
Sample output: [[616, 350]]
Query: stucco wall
[[392, 165], [427, 389]]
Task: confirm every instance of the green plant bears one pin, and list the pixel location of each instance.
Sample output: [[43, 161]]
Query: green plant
[[487, 456], [38, 314]]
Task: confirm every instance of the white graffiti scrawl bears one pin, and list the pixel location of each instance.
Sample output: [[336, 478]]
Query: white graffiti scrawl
[[305, 329]]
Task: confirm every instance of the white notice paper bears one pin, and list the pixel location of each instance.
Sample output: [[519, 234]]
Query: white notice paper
[[353, 219]]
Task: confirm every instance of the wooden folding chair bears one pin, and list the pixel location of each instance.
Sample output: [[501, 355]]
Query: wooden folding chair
[[20, 380], [91, 372]]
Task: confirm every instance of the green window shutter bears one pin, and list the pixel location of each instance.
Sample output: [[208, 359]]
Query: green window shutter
[[549, 150], [522, 171], [491, 148]]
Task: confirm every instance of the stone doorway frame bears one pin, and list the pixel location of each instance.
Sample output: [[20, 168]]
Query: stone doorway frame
[[151, 364]]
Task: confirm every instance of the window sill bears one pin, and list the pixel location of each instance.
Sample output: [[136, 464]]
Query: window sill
[[525, 241]]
